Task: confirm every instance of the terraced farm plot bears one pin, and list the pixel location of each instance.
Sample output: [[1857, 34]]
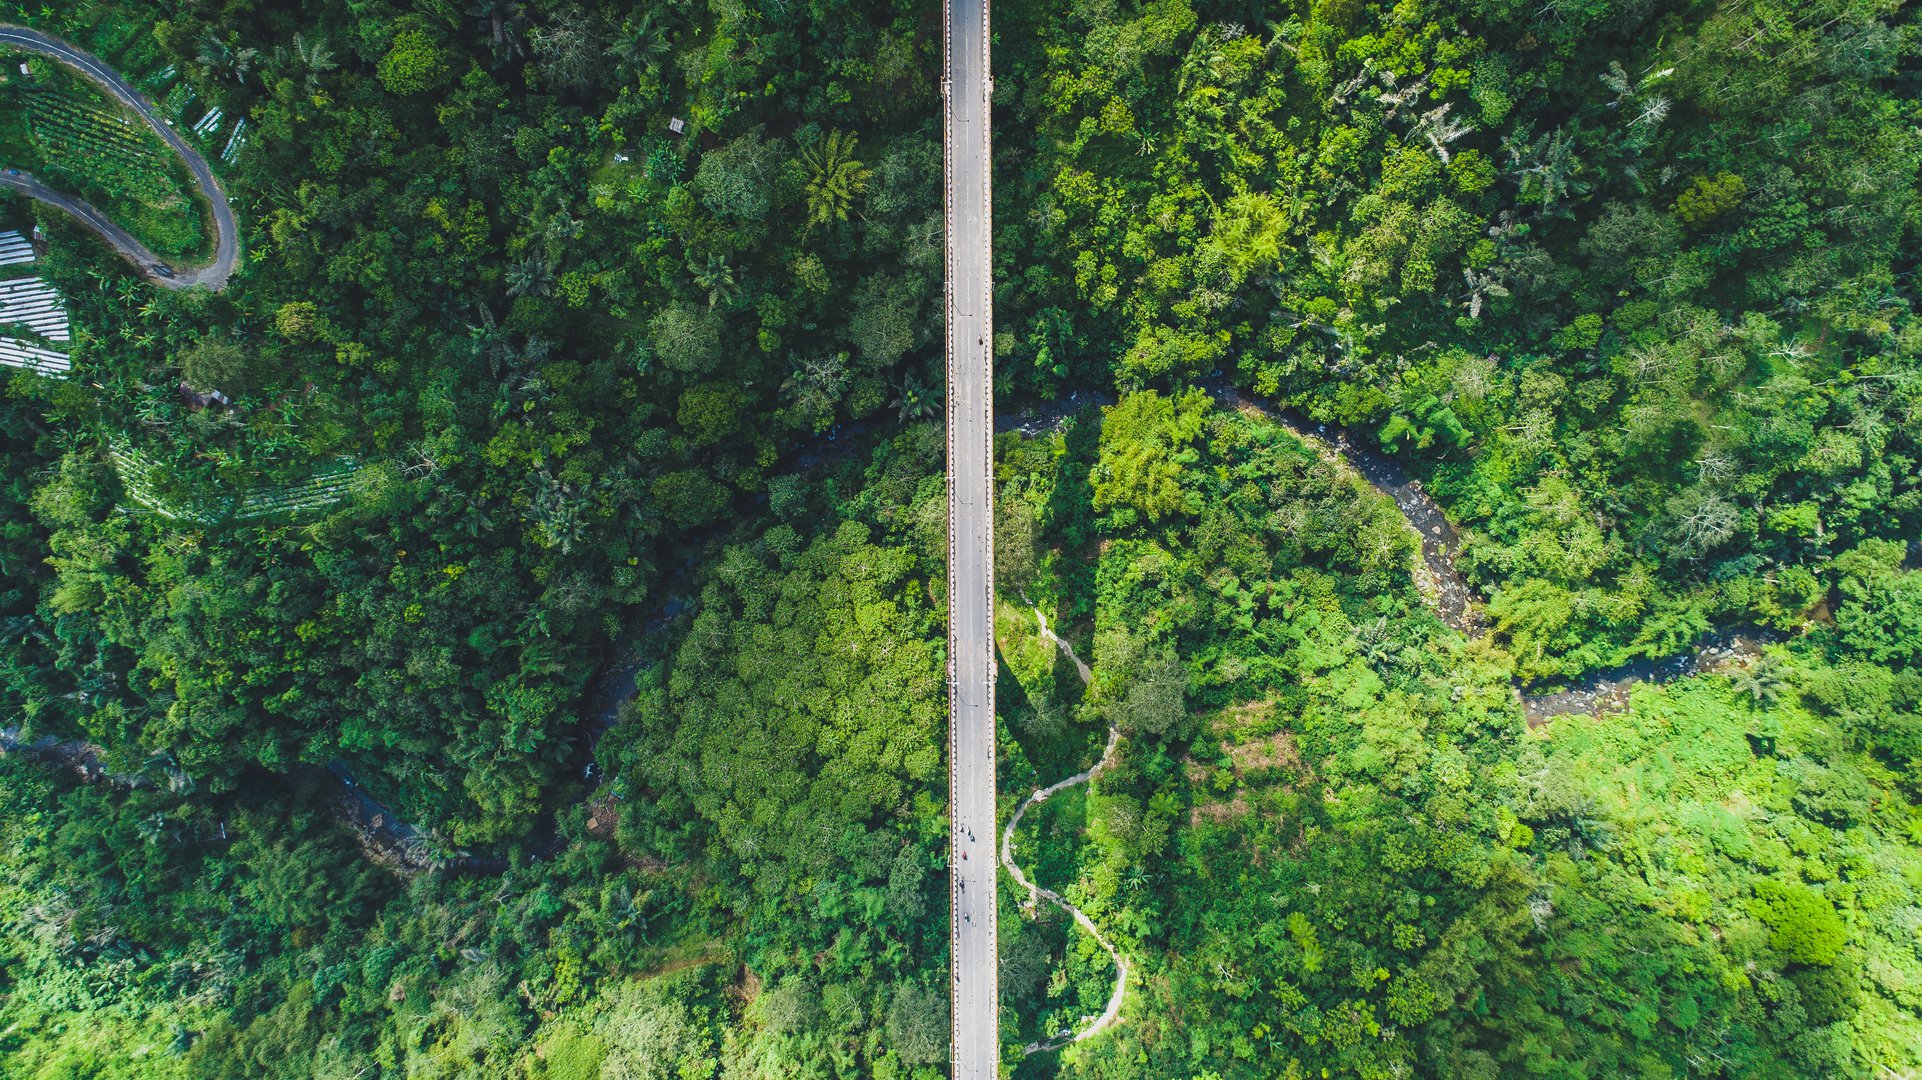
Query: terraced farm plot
[[145, 484], [320, 491], [62, 129], [31, 309], [15, 249], [33, 303]]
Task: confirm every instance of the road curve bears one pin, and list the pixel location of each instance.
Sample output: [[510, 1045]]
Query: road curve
[[974, 946], [226, 232]]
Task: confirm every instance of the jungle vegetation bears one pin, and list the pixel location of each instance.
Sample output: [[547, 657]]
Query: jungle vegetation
[[1628, 287]]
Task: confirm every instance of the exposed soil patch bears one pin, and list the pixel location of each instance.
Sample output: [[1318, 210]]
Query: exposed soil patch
[[1267, 753], [602, 816]]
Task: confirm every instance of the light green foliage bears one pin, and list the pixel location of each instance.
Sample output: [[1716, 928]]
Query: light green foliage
[[1154, 702], [835, 178], [571, 1054], [883, 323], [918, 1025], [687, 338], [793, 746], [413, 63], [1881, 616], [689, 497], [213, 364], [298, 320], [1709, 197], [844, 600], [711, 412], [735, 181], [656, 1030], [1627, 288], [1144, 445], [1756, 847], [1803, 924]]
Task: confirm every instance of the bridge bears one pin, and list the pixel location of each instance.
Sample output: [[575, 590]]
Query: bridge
[[965, 88]]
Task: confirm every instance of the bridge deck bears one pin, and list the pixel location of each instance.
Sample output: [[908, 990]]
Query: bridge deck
[[970, 407]]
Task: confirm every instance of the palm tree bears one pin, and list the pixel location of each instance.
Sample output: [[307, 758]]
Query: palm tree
[[629, 913], [315, 59], [530, 277], [490, 342], [1547, 168], [1587, 829], [1378, 646], [557, 512], [641, 42], [717, 277], [914, 401], [835, 178], [218, 54], [1763, 681]]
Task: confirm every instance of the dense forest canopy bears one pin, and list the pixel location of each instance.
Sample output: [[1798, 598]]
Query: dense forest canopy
[[582, 374]]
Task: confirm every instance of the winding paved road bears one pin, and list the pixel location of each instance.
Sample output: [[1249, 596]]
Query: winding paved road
[[971, 665], [226, 233]]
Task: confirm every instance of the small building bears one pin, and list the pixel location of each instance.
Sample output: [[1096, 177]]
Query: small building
[[201, 399]]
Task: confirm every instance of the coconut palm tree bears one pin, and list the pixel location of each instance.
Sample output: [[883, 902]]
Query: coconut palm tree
[[219, 55], [717, 277], [1763, 681], [315, 60], [835, 177], [530, 276], [915, 401], [642, 42]]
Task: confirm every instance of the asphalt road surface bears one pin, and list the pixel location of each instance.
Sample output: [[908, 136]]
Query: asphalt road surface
[[971, 665], [226, 233]]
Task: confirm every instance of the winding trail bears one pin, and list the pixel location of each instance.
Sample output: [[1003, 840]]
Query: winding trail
[[1080, 666], [1113, 1011], [214, 275]]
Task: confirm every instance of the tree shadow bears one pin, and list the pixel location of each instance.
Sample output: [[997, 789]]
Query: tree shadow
[[1069, 525]]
